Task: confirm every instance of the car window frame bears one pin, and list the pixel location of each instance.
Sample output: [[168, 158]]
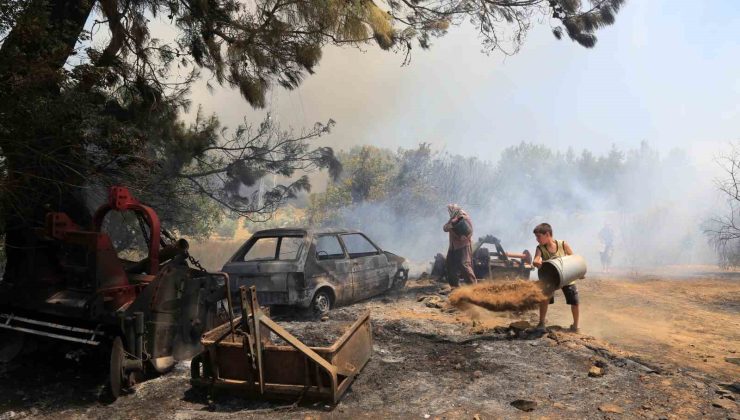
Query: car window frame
[[297, 254], [377, 252], [276, 257], [345, 254]]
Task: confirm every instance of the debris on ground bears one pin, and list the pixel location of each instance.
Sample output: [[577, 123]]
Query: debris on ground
[[598, 369], [611, 408], [433, 301], [520, 326], [595, 372], [524, 405], [313, 334], [725, 403]]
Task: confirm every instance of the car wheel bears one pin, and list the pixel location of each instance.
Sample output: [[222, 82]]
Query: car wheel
[[399, 280], [321, 303]]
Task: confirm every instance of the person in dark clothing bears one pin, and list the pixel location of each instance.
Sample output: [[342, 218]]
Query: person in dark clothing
[[459, 255], [606, 235]]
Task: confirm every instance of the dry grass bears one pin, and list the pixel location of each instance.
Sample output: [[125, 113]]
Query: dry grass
[[518, 295]]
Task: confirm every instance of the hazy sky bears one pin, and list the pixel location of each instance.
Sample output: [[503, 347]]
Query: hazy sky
[[667, 72]]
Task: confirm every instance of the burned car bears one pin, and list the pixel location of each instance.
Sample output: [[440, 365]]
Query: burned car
[[314, 268]]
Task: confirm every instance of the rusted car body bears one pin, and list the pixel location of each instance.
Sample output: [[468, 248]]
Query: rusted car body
[[317, 268]]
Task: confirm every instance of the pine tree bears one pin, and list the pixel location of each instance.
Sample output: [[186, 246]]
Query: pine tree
[[75, 115]]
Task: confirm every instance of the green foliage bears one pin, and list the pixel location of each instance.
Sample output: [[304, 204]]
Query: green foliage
[[367, 172], [227, 227], [324, 208], [409, 181], [286, 216], [81, 112], [419, 182]]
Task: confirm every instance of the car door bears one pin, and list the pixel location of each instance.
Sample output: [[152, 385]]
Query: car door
[[369, 265], [270, 263], [333, 266]]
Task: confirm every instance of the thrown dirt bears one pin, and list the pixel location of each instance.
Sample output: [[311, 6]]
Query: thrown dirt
[[499, 296]]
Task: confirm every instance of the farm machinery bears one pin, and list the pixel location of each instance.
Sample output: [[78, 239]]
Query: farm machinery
[[490, 261], [147, 313]]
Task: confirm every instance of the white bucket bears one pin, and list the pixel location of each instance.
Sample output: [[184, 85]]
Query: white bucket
[[561, 271]]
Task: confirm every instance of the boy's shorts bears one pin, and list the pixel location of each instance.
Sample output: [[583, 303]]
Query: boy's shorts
[[571, 295]]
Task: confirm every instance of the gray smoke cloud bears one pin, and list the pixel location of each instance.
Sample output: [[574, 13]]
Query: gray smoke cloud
[[654, 202]]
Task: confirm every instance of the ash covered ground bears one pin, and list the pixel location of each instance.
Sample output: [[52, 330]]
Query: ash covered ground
[[432, 361]]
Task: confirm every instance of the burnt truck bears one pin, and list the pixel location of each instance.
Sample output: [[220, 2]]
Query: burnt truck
[[314, 268], [490, 261]]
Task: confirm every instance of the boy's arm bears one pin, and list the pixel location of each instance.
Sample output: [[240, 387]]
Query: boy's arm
[[567, 248], [537, 262]]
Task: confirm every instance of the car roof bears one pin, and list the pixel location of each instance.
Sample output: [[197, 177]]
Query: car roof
[[301, 231]]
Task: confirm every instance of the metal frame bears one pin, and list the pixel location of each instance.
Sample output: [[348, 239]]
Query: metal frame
[[245, 359], [120, 199], [10, 319]]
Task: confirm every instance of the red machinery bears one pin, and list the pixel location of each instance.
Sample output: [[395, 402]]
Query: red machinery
[[149, 312]]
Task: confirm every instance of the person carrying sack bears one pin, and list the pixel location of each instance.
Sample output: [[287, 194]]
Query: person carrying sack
[[459, 255]]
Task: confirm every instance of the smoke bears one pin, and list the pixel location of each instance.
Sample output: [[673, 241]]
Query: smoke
[[653, 202]]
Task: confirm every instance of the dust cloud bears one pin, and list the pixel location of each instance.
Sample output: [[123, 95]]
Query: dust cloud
[[500, 296]]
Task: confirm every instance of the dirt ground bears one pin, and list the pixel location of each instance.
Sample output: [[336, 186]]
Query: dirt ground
[[665, 342]]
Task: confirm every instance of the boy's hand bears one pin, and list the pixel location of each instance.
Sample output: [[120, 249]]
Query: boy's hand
[[537, 262]]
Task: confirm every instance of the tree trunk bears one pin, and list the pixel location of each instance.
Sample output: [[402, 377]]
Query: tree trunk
[[42, 164]]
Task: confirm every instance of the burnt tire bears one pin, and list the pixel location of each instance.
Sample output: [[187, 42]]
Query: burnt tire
[[322, 303], [399, 280], [116, 378], [482, 263]]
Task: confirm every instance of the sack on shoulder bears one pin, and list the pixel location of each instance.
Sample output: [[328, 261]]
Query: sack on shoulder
[[462, 227]]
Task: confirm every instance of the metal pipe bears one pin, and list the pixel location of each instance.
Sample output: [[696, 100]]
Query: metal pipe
[[51, 335], [11, 317], [129, 332], [139, 335]]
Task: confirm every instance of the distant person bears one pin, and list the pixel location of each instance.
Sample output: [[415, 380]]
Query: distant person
[[459, 255], [547, 249], [606, 235]]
